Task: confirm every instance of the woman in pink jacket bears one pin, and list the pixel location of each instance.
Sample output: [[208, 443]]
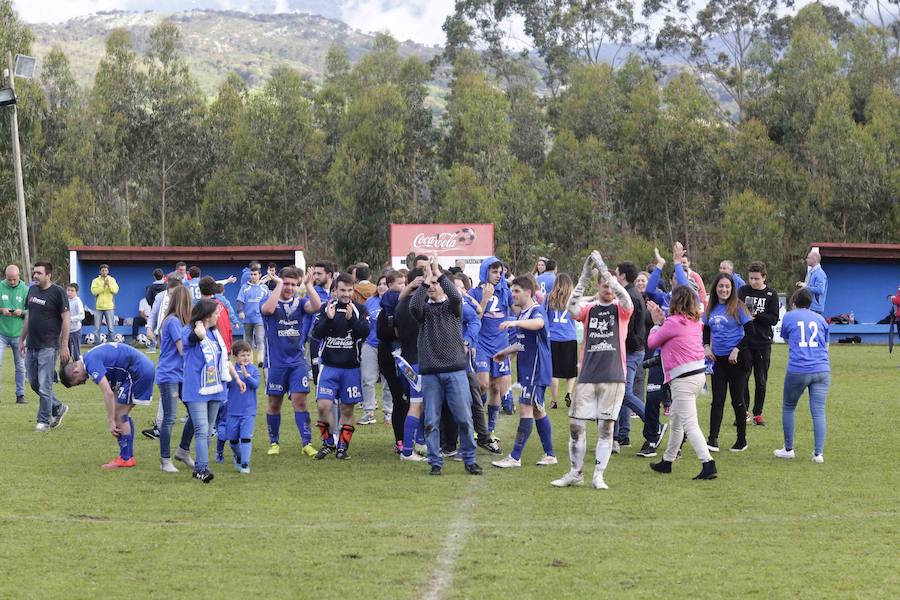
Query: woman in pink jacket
[[680, 340]]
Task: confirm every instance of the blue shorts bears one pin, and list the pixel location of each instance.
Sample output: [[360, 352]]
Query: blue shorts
[[288, 380], [240, 427], [136, 391], [533, 395], [339, 385], [484, 363]]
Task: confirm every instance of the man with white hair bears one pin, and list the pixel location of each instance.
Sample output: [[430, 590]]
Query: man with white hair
[[727, 267], [816, 281], [13, 293]]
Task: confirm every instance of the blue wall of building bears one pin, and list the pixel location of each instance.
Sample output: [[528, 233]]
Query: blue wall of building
[[861, 287], [133, 279]]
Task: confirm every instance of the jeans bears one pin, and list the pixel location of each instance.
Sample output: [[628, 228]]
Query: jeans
[[75, 344], [203, 415], [370, 375], [453, 389], [684, 417], [255, 335], [449, 431], [13, 343], [168, 400], [110, 318], [761, 359], [794, 384], [631, 401], [41, 366]]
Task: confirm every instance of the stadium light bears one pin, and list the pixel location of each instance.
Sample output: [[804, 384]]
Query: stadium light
[[7, 96], [25, 66]]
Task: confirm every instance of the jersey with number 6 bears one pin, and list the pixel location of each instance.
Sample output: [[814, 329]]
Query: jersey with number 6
[[806, 333]]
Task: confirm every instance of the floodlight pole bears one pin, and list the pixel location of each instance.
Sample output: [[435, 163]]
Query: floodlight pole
[[17, 165]]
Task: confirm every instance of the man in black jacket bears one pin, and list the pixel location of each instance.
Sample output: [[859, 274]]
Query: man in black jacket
[[762, 301], [343, 326], [626, 273], [437, 306]]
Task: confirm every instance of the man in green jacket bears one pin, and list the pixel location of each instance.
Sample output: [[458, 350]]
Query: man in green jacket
[[13, 292], [104, 288]]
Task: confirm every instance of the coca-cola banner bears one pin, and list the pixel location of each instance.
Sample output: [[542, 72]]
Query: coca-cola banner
[[464, 245]]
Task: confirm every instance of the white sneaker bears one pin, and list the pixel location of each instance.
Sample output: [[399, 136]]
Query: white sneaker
[[616, 448], [42, 427], [413, 457], [507, 463], [547, 460], [185, 457], [818, 459], [569, 479], [420, 449], [166, 466], [598, 482], [782, 453]]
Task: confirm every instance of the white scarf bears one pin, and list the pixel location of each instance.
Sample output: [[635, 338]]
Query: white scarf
[[215, 371]]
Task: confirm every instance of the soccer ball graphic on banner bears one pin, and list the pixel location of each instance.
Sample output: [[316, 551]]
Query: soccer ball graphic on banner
[[465, 236]]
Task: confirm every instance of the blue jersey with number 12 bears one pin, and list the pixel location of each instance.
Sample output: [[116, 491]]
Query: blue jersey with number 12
[[806, 333], [562, 327]]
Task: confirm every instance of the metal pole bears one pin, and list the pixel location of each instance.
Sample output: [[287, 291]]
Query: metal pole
[[17, 165]]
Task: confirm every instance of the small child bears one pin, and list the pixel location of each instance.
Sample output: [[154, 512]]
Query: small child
[[242, 406], [76, 316]]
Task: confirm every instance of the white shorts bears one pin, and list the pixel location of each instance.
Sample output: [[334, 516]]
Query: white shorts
[[597, 401]]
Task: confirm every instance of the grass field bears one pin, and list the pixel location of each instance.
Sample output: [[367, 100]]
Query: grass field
[[377, 528]]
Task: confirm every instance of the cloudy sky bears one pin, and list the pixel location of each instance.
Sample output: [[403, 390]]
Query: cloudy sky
[[418, 20]]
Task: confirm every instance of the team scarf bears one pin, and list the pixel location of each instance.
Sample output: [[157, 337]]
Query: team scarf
[[215, 368]]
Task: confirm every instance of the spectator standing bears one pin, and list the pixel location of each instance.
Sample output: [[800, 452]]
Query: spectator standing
[[104, 289], [13, 309], [46, 335], [158, 285], [249, 300], [76, 316], [363, 289], [762, 303], [727, 267], [806, 333], [816, 281]]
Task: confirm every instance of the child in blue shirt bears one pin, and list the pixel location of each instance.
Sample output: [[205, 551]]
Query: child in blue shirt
[[806, 333], [242, 406]]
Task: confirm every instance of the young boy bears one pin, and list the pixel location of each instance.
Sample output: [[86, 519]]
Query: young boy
[[76, 316], [532, 344], [242, 406]]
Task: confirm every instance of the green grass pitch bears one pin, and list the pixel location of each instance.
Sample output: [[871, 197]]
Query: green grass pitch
[[374, 527]]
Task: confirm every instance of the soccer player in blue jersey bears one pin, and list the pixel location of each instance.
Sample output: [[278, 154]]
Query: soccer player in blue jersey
[[125, 376], [808, 368], [495, 299], [547, 279], [283, 313], [343, 326], [253, 293], [532, 347], [242, 406]]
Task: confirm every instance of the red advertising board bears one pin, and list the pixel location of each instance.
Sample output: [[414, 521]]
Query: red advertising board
[[457, 240]]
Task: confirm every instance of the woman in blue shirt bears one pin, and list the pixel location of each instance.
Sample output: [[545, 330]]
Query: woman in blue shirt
[[727, 330], [170, 372], [806, 333], [206, 371], [563, 339]]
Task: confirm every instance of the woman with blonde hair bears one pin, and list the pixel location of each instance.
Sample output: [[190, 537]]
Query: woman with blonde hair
[[563, 339]]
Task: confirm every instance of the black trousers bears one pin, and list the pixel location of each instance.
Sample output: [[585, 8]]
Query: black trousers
[[449, 431], [761, 359], [137, 324], [657, 394], [728, 378], [398, 391]]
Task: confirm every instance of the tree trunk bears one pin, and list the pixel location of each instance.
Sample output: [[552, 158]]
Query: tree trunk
[[127, 216]]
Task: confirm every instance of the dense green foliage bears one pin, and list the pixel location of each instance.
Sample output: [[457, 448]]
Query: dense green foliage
[[613, 157]]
